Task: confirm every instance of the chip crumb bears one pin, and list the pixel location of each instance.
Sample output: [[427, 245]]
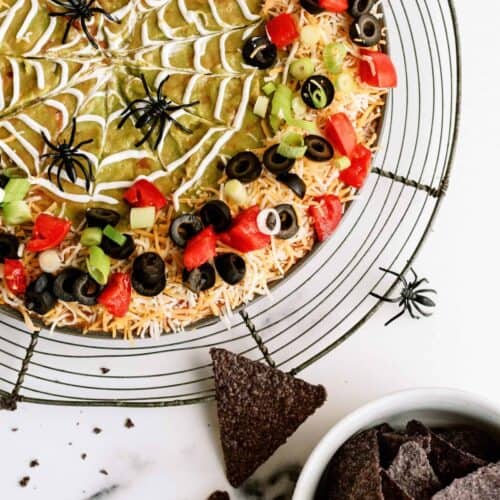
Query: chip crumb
[[34, 463], [104, 370], [129, 424], [14, 429], [83, 456], [104, 472], [96, 430], [219, 495], [24, 481]]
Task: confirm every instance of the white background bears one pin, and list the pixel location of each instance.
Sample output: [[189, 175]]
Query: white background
[[174, 453]]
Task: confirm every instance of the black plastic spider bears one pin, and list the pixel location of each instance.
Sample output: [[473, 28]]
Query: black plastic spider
[[82, 11], [154, 112], [67, 158], [411, 296]]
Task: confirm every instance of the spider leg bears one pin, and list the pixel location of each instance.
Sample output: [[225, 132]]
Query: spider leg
[[51, 166], [105, 14], [180, 125], [426, 290], [147, 134], [73, 133], [385, 299], [399, 276], [87, 33], [69, 24], [129, 111], [145, 85], [49, 155], [183, 106], [394, 318], [89, 164], [163, 122], [159, 92], [408, 305], [415, 276], [84, 172], [416, 284], [58, 14], [46, 140], [83, 143], [145, 119], [419, 309]]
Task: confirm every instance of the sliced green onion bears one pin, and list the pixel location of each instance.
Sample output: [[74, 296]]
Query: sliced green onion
[[13, 172], [235, 191], [318, 96], [114, 235], [292, 146], [310, 35], [91, 236], [303, 124], [269, 88], [344, 83], [342, 162], [99, 265], [261, 105], [142, 217], [16, 212], [282, 103], [2, 195], [334, 56], [302, 69], [275, 123], [16, 190]]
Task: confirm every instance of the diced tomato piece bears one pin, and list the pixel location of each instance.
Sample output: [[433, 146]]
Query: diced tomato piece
[[15, 276], [244, 234], [340, 132], [356, 174], [145, 194], [326, 214], [282, 30], [48, 232], [117, 295], [200, 249], [377, 69], [334, 5]]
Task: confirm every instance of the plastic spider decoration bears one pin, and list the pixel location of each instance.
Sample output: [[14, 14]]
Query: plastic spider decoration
[[80, 10], [66, 157], [412, 298], [154, 112]]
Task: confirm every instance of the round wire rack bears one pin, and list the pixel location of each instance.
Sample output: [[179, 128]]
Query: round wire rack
[[320, 304]]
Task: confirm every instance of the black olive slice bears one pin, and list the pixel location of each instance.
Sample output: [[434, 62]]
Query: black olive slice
[[64, 284], [148, 270], [358, 8], [231, 267], [199, 279], [245, 167], [148, 289], [259, 52], [184, 227], [101, 217], [318, 148], [86, 290], [294, 182], [318, 92], [116, 251], [276, 163], [216, 214], [9, 245], [312, 6], [366, 31], [39, 297], [4, 180], [289, 221]]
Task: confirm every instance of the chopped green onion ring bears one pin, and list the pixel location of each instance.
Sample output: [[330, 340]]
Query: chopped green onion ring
[[269, 88], [142, 217], [292, 146], [318, 96], [16, 212], [16, 189], [98, 265], [114, 235], [91, 236]]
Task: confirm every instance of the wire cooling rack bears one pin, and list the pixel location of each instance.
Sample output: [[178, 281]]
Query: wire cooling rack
[[324, 300]]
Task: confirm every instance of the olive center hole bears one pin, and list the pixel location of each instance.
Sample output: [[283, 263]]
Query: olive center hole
[[286, 220], [369, 29], [362, 5], [242, 167]]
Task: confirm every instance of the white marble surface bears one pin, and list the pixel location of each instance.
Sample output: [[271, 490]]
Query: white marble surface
[[174, 453]]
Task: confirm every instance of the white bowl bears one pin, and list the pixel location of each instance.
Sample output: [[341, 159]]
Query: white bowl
[[433, 406]]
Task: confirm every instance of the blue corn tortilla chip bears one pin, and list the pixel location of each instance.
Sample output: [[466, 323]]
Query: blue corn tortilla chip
[[413, 473], [354, 471], [483, 484], [259, 408], [449, 462], [391, 490], [473, 441]]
